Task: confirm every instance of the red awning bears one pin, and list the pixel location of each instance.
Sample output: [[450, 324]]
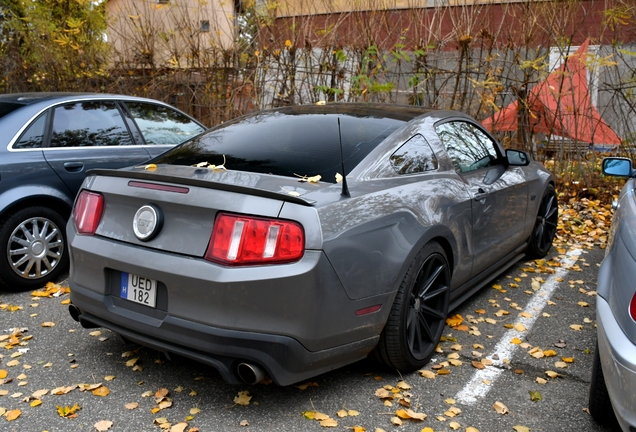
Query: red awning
[[560, 105]]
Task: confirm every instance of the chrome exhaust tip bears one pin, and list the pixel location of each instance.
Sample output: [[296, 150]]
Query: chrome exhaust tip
[[250, 373]]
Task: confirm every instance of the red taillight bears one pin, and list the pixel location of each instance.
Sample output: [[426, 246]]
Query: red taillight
[[247, 240], [88, 212], [632, 308]]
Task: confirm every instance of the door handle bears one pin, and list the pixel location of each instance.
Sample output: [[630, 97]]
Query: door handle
[[480, 195], [73, 166]]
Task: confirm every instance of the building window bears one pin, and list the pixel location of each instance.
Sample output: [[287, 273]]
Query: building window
[[205, 26], [163, 1]]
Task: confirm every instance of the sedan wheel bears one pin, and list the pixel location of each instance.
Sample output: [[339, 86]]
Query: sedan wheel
[[599, 402], [419, 312], [34, 243], [545, 227]]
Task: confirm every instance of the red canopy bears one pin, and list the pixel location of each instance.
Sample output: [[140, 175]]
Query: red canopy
[[560, 105]]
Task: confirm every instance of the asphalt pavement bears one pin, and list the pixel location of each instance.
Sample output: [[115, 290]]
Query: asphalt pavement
[[534, 326]]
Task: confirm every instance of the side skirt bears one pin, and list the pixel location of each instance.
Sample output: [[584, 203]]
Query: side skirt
[[473, 285]]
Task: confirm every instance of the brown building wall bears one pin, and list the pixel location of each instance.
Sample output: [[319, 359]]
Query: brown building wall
[[170, 33], [527, 23]]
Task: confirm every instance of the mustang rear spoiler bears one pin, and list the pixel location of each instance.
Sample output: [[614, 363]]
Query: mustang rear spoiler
[[210, 184]]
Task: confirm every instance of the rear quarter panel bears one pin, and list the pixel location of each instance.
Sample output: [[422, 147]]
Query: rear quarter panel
[[370, 240]]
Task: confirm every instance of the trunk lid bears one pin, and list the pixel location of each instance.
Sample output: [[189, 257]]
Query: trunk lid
[[188, 199]]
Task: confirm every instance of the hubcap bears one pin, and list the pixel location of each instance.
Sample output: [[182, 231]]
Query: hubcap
[[427, 307], [35, 248], [546, 222]]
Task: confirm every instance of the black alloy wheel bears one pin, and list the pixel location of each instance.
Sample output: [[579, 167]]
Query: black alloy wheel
[[418, 315], [546, 224]]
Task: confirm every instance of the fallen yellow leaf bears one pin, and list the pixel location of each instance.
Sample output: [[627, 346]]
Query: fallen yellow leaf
[[101, 391], [501, 408], [454, 321], [13, 414], [329, 423], [243, 398], [180, 427], [103, 425], [427, 374], [67, 411]]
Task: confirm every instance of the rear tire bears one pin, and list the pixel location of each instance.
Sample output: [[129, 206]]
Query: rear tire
[[418, 314], [599, 402], [545, 226], [33, 248]]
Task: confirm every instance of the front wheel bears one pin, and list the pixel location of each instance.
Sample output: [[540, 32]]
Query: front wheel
[[418, 314], [545, 226], [34, 248]]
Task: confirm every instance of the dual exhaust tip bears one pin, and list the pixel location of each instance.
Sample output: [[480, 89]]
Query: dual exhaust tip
[[247, 372]]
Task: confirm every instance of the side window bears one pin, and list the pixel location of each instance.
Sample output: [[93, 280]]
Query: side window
[[32, 137], [467, 146], [162, 125], [89, 124], [415, 156]]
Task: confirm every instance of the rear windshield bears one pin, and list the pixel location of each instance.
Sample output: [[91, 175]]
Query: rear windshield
[[6, 108], [286, 144]]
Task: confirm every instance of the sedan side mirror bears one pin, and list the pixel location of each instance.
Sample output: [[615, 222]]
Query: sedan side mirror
[[517, 157], [619, 167]]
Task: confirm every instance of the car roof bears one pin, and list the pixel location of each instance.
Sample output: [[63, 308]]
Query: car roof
[[47, 97], [394, 111]]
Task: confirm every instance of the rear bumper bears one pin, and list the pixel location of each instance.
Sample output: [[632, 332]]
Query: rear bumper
[[285, 360], [295, 320], [618, 360]]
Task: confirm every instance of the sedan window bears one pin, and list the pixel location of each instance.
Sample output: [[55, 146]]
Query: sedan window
[[32, 137], [87, 124], [467, 146], [162, 125]]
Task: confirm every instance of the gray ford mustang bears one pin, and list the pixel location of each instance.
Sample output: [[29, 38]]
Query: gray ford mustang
[[296, 240]]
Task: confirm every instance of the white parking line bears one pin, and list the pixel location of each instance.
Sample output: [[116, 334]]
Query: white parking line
[[476, 388]]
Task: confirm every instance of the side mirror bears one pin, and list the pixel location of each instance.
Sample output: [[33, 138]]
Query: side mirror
[[619, 167], [517, 157]]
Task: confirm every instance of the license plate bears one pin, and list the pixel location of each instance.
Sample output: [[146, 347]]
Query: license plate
[[138, 289]]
